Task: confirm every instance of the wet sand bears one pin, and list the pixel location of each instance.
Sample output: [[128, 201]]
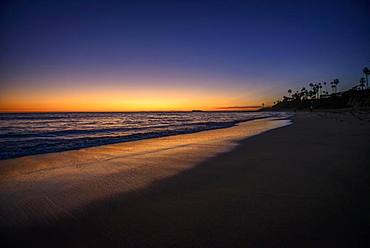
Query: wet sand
[[49, 187], [303, 185]]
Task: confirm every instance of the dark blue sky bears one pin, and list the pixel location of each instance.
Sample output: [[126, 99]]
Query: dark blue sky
[[248, 45]]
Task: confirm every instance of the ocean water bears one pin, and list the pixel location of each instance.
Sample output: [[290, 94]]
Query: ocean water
[[24, 134]]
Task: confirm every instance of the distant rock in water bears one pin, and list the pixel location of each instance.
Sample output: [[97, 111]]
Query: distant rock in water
[[196, 110]]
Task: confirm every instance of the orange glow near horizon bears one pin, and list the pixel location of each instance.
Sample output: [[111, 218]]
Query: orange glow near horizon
[[105, 94], [119, 100]]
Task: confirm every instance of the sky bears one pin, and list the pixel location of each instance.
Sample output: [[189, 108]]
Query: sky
[[174, 55]]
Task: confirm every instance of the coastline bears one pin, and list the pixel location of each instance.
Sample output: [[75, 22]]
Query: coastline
[[255, 194], [51, 186], [26, 138]]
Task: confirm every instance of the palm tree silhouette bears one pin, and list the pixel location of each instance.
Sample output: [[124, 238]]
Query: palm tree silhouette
[[362, 83], [366, 72], [335, 84], [304, 93], [316, 88], [332, 87], [336, 81]]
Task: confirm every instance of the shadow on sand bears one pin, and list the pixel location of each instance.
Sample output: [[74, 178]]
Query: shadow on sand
[[253, 196]]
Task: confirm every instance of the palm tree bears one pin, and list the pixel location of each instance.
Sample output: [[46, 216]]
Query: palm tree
[[303, 89], [334, 85], [362, 83], [289, 92], [316, 90], [336, 82], [326, 88], [366, 72], [310, 94], [320, 87]]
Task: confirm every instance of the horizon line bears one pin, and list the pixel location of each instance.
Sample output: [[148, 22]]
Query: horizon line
[[144, 111]]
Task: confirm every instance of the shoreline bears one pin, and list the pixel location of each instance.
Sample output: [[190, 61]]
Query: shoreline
[[102, 141], [31, 184], [257, 194]]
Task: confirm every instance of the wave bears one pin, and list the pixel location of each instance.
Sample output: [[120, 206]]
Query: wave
[[30, 140]]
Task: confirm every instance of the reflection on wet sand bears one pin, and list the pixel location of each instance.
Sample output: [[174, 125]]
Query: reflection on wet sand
[[49, 186]]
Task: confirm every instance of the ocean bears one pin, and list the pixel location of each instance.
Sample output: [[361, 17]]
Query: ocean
[[24, 134]]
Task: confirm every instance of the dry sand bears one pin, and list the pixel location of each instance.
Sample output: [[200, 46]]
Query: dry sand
[[304, 185]]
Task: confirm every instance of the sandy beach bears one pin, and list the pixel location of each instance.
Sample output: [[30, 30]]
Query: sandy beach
[[300, 185]]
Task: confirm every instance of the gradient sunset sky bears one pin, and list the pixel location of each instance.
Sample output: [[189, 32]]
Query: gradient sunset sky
[[174, 55]]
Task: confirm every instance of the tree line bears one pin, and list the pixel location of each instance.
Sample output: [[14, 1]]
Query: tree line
[[320, 90]]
